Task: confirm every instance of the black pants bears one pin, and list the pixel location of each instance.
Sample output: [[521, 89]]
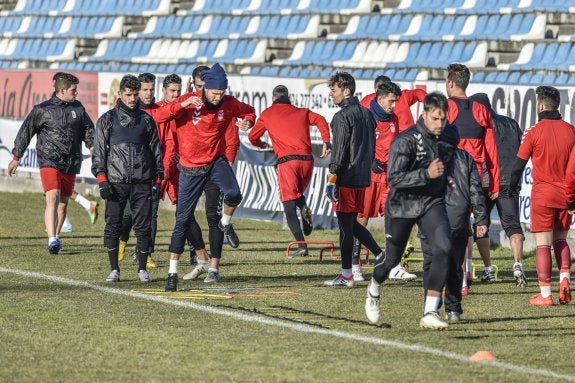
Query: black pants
[[349, 228], [434, 225], [508, 209], [127, 223], [139, 197], [454, 280]]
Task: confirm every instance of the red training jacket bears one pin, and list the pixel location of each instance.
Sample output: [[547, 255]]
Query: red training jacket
[[402, 106]]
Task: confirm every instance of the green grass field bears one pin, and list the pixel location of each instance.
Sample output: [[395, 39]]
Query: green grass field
[[270, 320]]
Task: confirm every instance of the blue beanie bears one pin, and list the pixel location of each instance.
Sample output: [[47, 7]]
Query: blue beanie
[[215, 78]]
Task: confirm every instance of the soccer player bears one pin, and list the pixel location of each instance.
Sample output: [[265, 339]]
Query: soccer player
[[475, 125], [61, 125], [548, 143], [289, 129], [387, 128], [353, 129], [417, 181], [127, 161], [508, 137], [201, 133]]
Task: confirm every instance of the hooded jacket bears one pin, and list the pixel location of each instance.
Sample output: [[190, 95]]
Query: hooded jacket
[[61, 127]]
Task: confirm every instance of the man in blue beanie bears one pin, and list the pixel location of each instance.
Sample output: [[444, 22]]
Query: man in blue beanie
[[201, 132]]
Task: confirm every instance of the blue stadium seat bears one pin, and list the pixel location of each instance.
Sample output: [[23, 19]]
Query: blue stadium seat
[[117, 8], [40, 7], [478, 77], [513, 77]]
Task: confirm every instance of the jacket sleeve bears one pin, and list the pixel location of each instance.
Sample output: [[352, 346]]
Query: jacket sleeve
[[101, 146], [399, 176], [155, 148], [165, 113], [321, 123], [30, 127], [258, 131], [476, 193], [413, 95], [341, 144], [491, 151], [88, 130], [232, 138], [570, 181], [245, 111]]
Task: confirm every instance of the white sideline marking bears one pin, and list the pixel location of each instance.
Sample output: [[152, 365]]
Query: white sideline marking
[[293, 326]]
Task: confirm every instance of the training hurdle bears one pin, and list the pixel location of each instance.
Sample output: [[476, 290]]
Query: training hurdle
[[329, 245], [405, 263]]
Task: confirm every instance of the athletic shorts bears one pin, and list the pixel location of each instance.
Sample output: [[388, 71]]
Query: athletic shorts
[[350, 200], [375, 196], [545, 218], [293, 178], [55, 179]]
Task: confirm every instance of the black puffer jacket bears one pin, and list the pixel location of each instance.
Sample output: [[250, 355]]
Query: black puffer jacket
[[353, 129], [508, 138], [465, 191], [412, 192], [126, 146], [61, 127]]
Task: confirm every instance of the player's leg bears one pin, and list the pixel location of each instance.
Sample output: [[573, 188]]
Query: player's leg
[[223, 176]]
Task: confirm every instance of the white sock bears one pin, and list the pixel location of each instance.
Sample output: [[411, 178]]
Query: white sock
[[204, 261], [469, 264], [52, 239], [212, 270], [431, 304], [374, 288], [517, 263], [562, 276], [355, 267], [83, 201], [489, 269], [226, 219], [346, 273], [67, 221], [545, 291], [464, 279], [173, 266]]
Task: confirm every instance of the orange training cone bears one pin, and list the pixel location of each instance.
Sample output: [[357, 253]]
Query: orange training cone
[[482, 355]]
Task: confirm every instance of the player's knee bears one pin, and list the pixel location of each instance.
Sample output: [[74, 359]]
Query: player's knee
[[233, 199]]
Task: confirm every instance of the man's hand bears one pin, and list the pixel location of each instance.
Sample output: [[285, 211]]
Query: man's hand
[[326, 150], [106, 190], [243, 124], [12, 166], [156, 191], [195, 101], [494, 195], [330, 188], [435, 169], [480, 231]]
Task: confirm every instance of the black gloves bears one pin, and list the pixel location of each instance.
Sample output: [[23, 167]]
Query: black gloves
[[106, 190]]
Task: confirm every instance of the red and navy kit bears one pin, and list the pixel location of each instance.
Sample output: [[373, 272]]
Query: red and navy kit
[[402, 106], [477, 137], [202, 132]]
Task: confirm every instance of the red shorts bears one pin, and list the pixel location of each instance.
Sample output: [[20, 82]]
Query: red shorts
[[293, 178], [545, 218], [55, 179], [375, 196], [350, 200]]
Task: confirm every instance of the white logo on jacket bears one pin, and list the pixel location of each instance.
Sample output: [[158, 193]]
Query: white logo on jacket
[[421, 153], [196, 117], [73, 114]]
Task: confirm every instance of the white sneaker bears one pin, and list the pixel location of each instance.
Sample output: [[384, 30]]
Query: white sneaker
[[339, 281], [433, 321], [357, 275], [372, 307], [197, 271], [114, 276], [67, 227], [144, 276], [398, 273]]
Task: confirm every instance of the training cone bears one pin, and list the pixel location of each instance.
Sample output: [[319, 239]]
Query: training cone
[[482, 355]]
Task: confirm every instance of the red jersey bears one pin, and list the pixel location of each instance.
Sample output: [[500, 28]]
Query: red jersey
[[288, 127], [477, 136], [385, 132], [548, 143], [202, 132], [570, 177], [402, 106]]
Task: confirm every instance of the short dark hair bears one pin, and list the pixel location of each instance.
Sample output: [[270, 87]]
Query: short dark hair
[[435, 100], [280, 91], [130, 82], [459, 74], [147, 77], [65, 81], [171, 79], [197, 72], [388, 87], [381, 79], [58, 75], [343, 80], [548, 96]]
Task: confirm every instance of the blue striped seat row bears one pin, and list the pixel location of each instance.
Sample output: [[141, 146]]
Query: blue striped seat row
[[92, 7], [37, 49], [172, 51], [544, 56], [523, 78], [481, 6], [61, 26], [279, 7], [290, 71], [444, 27], [222, 27]]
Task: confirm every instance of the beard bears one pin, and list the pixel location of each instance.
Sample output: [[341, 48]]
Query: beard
[[208, 104]]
